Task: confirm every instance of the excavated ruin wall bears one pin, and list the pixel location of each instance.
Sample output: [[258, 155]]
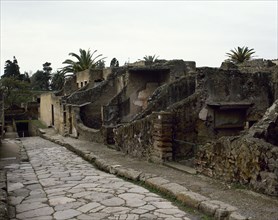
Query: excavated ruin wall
[[235, 86], [185, 125], [251, 159], [1, 114], [169, 94], [246, 160], [89, 134], [135, 138]]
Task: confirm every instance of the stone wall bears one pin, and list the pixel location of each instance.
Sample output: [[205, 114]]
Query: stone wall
[[245, 160], [267, 127], [47, 101], [235, 86], [93, 93], [187, 99], [89, 134], [231, 98], [251, 159], [256, 65], [91, 102], [82, 78], [150, 138], [188, 131], [180, 68], [69, 86], [86, 77], [91, 113], [144, 84], [169, 94], [135, 139], [275, 81], [1, 115], [139, 80]]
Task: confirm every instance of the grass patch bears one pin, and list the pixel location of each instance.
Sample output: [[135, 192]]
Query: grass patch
[[36, 123]]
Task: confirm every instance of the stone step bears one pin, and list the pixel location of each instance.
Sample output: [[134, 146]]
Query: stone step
[[180, 167]]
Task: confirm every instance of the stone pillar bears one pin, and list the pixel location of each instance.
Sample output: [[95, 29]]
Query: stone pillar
[[162, 137]]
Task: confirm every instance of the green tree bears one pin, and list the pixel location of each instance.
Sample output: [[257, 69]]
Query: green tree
[[114, 63], [40, 80], [150, 59], [85, 60], [240, 54], [11, 69], [47, 67], [25, 77], [15, 90], [57, 80]]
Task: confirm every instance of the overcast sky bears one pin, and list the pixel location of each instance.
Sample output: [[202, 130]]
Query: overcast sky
[[36, 32]]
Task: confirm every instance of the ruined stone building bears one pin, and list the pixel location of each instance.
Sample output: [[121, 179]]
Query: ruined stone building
[[223, 121], [2, 121]]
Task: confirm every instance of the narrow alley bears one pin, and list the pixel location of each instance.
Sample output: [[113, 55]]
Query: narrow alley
[[58, 184]]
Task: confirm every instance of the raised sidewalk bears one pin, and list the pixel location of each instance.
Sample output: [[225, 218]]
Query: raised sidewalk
[[212, 197]]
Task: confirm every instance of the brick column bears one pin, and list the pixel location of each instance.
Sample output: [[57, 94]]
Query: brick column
[[162, 137]]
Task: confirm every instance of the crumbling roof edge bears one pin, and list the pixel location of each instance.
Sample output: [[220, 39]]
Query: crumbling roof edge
[[81, 105], [230, 105]]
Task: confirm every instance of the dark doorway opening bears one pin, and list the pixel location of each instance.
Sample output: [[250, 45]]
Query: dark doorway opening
[[22, 129], [52, 115]]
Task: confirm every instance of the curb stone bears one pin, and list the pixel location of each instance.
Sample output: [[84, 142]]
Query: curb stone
[[3, 184], [217, 209], [3, 196], [191, 199]]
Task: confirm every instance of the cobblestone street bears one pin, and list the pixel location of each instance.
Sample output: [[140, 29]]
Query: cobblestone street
[[58, 184]]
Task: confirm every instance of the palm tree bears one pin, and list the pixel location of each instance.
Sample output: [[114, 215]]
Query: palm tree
[[84, 61], [150, 59], [240, 54]]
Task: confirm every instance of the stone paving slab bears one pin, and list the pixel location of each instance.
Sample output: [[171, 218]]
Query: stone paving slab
[[180, 192], [250, 203], [3, 195], [58, 184]]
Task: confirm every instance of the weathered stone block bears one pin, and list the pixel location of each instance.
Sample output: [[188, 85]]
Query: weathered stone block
[[3, 195], [144, 176], [208, 207], [102, 164], [3, 211], [128, 173], [221, 214], [191, 199], [173, 188], [157, 182], [236, 216]]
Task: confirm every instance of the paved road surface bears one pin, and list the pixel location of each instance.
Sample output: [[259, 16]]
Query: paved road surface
[[9, 152], [57, 184]]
